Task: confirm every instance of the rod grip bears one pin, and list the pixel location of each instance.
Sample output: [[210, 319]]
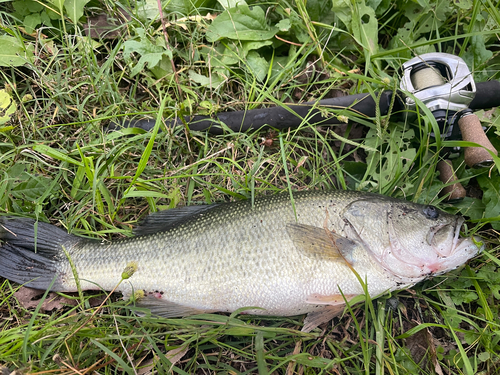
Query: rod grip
[[447, 175], [472, 131]]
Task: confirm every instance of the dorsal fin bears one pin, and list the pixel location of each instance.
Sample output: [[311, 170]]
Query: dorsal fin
[[164, 220], [320, 243]]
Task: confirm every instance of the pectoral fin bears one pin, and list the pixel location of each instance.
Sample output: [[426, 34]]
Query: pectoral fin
[[320, 243]]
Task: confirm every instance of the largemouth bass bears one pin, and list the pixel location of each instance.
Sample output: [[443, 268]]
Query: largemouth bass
[[277, 257]]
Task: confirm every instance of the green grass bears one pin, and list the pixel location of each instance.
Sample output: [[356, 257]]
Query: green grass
[[59, 164]]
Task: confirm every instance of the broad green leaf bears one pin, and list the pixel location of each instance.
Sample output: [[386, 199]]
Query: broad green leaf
[[464, 4], [254, 45], [236, 52], [231, 3], [489, 273], [361, 21], [380, 6], [26, 7], [477, 54], [343, 11], [74, 9], [420, 23], [241, 23], [284, 25], [484, 356], [85, 44], [471, 207], [213, 81], [365, 27], [31, 22], [30, 187], [163, 68], [59, 4], [7, 107], [16, 170], [491, 198], [148, 10], [187, 7], [48, 15], [151, 54], [320, 11], [279, 63], [466, 296], [258, 65], [13, 52]]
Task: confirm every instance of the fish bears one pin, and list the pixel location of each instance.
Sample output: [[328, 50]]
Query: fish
[[308, 252]]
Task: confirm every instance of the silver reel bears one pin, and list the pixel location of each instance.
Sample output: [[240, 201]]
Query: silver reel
[[443, 82]]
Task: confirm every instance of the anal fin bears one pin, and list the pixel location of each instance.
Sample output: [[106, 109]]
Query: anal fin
[[333, 306], [166, 309], [325, 314], [333, 300]]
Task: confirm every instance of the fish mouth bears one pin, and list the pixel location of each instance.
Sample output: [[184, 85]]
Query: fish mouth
[[460, 250], [444, 251], [445, 238]]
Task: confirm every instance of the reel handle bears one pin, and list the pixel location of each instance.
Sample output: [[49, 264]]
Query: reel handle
[[455, 190], [472, 131]]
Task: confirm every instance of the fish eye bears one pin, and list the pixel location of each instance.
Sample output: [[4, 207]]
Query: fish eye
[[431, 212]]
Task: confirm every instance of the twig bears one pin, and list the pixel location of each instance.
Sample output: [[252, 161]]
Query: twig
[[123, 346], [164, 28]]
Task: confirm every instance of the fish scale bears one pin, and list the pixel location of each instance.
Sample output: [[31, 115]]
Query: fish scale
[[284, 258]]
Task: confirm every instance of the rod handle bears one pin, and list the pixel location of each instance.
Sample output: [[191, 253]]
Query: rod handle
[[455, 190], [472, 131]]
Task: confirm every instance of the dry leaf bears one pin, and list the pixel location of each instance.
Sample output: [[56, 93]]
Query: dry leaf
[[147, 366], [175, 355], [103, 27], [29, 298]]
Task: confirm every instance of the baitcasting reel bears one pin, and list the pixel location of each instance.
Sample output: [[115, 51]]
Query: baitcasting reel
[[444, 83]]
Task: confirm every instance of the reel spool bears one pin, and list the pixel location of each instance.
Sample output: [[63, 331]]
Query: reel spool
[[426, 75]]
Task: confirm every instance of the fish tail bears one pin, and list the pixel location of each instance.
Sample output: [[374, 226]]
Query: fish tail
[[31, 252]]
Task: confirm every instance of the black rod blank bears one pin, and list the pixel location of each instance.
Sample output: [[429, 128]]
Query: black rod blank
[[292, 115]]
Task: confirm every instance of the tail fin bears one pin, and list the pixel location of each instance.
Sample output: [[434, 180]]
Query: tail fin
[[32, 252]]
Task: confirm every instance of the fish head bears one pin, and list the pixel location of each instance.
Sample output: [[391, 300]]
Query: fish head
[[411, 241]]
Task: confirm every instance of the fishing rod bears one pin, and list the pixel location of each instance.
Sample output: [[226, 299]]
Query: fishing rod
[[442, 82]]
